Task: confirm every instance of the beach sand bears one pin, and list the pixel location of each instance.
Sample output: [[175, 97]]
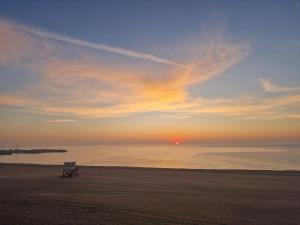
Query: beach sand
[[38, 195]]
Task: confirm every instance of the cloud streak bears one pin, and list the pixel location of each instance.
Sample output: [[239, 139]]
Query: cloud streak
[[268, 86], [61, 121], [78, 42], [86, 87]]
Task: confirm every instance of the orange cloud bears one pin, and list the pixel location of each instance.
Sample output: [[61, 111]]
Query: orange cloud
[[13, 44], [86, 87]]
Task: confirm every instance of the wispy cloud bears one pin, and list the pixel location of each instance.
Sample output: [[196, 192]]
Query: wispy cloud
[[88, 87], [295, 116], [78, 42], [6, 99], [61, 121], [12, 44], [268, 86]]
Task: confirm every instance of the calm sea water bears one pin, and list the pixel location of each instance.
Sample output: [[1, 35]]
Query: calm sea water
[[170, 156]]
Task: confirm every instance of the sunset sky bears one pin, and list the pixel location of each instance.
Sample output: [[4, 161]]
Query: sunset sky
[[92, 72]]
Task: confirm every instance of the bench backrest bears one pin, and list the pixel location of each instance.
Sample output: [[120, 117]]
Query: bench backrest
[[69, 164]]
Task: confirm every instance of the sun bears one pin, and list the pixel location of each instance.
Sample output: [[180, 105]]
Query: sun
[[176, 141]]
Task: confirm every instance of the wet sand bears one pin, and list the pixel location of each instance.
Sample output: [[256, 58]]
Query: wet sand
[[35, 195]]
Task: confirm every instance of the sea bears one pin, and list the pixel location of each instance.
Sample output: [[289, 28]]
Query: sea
[[169, 156]]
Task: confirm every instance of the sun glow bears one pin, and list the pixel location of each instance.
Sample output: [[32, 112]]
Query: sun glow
[[177, 142]]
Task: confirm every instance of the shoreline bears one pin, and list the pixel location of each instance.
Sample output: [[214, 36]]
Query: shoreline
[[239, 171]]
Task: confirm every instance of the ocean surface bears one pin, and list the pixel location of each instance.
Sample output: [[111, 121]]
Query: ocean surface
[[170, 156]]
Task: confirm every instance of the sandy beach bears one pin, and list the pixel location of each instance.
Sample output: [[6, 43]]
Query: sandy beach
[[36, 194]]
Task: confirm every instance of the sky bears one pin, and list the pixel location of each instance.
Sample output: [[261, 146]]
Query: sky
[[78, 72]]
